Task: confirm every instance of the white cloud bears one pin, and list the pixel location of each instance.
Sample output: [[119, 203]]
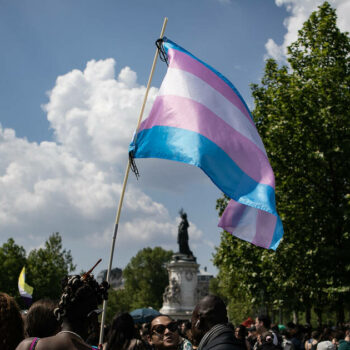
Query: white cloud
[[275, 51], [94, 115], [300, 10], [72, 185]]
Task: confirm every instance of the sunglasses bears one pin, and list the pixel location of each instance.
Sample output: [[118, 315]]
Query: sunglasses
[[160, 328]]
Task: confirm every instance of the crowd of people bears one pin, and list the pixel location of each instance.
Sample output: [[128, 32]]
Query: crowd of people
[[72, 324]]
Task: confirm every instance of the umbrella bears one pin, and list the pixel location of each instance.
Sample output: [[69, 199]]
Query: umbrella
[[144, 315]]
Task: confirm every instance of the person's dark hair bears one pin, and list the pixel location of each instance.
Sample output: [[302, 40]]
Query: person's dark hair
[[242, 332], [338, 334], [11, 323], [41, 321], [275, 328], [265, 319], [121, 332], [285, 333], [169, 317], [187, 327], [326, 335], [80, 295], [144, 329], [291, 325], [315, 334]]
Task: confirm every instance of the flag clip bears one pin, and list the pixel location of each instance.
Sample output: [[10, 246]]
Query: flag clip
[[162, 54], [133, 166]]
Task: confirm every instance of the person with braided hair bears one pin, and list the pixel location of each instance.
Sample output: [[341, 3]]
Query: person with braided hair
[[77, 310], [11, 323]]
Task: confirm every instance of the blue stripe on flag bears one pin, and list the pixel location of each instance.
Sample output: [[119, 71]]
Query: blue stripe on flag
[[192, 148], [277, 234]]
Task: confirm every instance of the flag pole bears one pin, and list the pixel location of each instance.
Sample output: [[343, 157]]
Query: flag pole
[[103, 319]]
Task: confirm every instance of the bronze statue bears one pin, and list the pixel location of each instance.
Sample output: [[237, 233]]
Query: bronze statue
[[182, 236]]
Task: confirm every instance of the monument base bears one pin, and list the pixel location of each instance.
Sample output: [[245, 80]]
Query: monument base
[[179, 298], [178, 316]]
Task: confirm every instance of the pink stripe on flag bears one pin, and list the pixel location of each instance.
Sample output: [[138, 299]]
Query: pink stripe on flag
[[230, 218], [182, 61], [265, 228], [241, 150], [262, 228]]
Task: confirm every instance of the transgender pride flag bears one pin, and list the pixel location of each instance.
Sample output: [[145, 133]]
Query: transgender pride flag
[[200, 118]]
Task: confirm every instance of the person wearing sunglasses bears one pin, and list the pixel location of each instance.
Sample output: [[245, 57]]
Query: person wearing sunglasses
[[164, 335]]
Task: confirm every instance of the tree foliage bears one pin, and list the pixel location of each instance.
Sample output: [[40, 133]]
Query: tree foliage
[[118, 301], [47, 266], [146, 277], [12, 260], [302, 113]]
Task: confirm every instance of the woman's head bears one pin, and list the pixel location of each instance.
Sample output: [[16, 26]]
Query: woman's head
[[315, 334], [240, 332], [11, 323], [41, 321], [186, 331], [80, 297], [326, 335], [121, 331]]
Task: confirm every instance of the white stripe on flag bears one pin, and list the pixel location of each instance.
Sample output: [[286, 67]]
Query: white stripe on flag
[[184, 84]]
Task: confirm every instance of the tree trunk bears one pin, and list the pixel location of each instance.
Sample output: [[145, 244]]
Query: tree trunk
[[308, 314], [340, 310], [319, 316], [295, 317], [280, 315]]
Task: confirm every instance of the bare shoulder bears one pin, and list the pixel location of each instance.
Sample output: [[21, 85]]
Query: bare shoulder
[[52, 343], [25, 344], [60, 343]]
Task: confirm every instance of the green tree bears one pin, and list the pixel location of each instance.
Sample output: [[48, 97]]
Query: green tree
[[146, 277], [12, 260], [47, 266], [118, 301], [303, 116]]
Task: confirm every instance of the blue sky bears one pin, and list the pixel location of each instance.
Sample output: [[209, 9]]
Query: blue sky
[[73, 75], [44, 39]]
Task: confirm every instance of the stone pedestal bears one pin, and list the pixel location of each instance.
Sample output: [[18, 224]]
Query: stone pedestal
[[180, 296]]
